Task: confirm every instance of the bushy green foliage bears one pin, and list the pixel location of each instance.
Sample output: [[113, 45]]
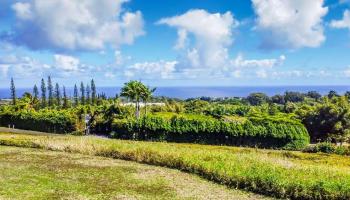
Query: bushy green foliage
[[290, 96], [329, 119], [256, 99], [196, 106], [42, 120], [260, 133], [327, 147], [220, 110]]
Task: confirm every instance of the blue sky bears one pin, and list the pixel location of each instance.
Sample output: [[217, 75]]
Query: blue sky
[[176, 42]]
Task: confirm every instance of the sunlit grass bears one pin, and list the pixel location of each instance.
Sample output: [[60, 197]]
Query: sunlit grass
[[294, 175], [40, 174]]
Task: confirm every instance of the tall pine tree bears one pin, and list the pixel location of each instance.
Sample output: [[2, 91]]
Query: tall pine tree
[[82, 93], [13, 92], [58, 95], [35, 92], [93, 92], [50, 90], [43, 93], [65, 98], [76, 95], [88, 92]]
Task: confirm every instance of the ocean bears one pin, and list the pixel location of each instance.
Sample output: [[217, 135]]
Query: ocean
[[192, 92]]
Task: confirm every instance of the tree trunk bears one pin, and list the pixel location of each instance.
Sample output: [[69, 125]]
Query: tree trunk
[[145, 108], [137, 110]]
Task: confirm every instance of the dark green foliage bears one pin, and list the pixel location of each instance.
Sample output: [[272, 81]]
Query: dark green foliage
[[332, 94], [35, 92], [294, 97], [43, 120], [65, 98], [82, 93], [13, 92], [279, 99], [50, 91], [327, 147], [313, 94], [256, 132], [57, 95], [256, 99], [88, 94], [43, 93], [93, 92], [76, 95], [328, 120], [347, 94], [196, 106], [220, 110]]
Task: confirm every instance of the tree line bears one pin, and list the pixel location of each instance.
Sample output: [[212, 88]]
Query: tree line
[[52, 95]]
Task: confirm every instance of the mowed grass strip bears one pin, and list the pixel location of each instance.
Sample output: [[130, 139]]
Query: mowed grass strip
[[41, 174], [282, 174]]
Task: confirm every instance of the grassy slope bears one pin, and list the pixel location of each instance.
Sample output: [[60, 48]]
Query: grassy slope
[[39, 174], [278, 173]]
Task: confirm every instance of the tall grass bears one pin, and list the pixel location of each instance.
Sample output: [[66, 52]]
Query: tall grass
[[282, 174]]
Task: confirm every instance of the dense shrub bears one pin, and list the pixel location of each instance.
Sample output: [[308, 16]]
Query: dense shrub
[[260, 133], [220, 110], [327, 147], [43, 120], [256, 99], [327, 120]]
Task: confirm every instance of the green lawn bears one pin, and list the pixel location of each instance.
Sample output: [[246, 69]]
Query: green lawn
[[283, 174], [41, 174]]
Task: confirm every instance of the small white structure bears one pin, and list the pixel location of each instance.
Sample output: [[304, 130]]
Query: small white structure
[[143, 104]]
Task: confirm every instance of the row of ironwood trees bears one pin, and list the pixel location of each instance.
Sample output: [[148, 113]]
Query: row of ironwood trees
[[53, 95]]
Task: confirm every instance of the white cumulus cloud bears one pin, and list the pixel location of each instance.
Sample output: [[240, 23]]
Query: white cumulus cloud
[[21, 66], [290, 23], [72, 25], [160, 69], [343, 23], [212, 33], [66, 63], [23, 10], [240, 62]]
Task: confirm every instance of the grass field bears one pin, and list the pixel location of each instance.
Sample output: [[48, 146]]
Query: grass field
[[281, 174], [41, 174]]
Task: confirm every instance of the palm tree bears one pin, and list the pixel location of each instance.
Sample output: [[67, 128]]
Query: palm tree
[[135, 91], [146, 95]]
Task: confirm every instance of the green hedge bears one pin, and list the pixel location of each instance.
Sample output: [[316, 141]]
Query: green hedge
[[43, 120], [266, 134]]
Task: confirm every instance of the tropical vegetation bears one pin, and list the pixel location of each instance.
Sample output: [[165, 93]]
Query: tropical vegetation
[[290, 120]]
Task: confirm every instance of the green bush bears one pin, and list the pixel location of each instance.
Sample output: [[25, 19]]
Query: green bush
[[342, 150], [43, 120], [327, 147], [220, 110], [266, 134]]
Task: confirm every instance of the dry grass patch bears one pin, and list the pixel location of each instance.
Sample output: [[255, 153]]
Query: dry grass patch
[[283, 174], [40, 174]]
